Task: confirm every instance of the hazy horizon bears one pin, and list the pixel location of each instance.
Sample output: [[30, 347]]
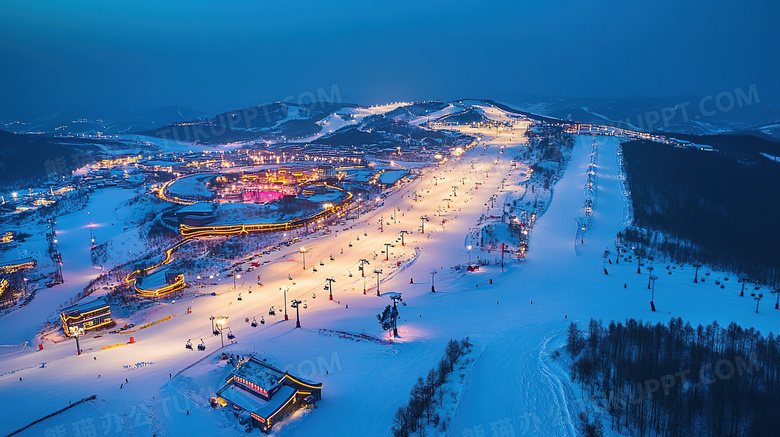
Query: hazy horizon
[[87, 58]]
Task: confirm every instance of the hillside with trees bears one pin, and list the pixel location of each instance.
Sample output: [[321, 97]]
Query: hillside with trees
[[720, 207], [677, 380]]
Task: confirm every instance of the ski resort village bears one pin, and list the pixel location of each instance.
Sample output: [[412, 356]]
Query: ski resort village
[[453, 268]]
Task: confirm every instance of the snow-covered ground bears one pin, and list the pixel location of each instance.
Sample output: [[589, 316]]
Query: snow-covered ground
[[512, 321], [73, 242]]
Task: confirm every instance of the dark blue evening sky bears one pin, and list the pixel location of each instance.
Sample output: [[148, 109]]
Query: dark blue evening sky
[[96, 57]]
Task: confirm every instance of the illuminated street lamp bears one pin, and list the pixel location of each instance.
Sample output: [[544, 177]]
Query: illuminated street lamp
[[221, 320], [284, 289], [78, 332], [234, 280], [469, 249], [91, 237], [303, 252]]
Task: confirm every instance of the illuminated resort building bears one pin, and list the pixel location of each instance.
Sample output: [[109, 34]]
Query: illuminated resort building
[[159, 284], [198, 221], [86, 316], [17, 265], [7, 298], [264, 394]]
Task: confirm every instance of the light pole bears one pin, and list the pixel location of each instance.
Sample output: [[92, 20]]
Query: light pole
[[364, 285], [78, 332], [387, 251], [652, 293], [469, 249], [757, 298], [422, 223], [234, 279], [377, 272], [294, 303], [433, 281], [91, 237], [329, 287], [284, 289], [221, 320], [303, 252]]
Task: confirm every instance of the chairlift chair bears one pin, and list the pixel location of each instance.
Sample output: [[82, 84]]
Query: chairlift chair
[[231, 335], [254, 322], [188, 345], [202, 345], [262, 320], [271, 311]]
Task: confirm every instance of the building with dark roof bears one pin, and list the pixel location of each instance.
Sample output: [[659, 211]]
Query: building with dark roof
[[87, 316], [267, 393]]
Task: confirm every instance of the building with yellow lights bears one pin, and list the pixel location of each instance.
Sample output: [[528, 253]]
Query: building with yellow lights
[[86, 316], [6, 295], [267, 394], [17, 265], [159, 284]]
